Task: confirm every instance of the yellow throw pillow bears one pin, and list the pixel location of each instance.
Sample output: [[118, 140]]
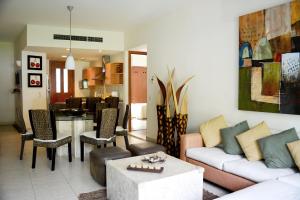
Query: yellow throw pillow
[[294, 148], [248, 141], [210, 131]]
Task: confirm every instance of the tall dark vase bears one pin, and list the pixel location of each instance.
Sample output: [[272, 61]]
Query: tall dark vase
[[170, 136], [161, 116], [181, 125]]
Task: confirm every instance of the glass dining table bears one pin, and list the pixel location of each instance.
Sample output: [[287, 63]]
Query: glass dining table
[[68, 124]]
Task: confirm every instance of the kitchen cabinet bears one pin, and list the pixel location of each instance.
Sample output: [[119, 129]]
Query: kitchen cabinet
[[93, 75], [114, 73]]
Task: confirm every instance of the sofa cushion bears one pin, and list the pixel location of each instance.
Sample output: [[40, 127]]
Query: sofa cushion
[[210, 131], [248, 141], [229, 141], [255, 171], [293, 179], [269, 190], [214, 156], [294, 148], [275, 151]]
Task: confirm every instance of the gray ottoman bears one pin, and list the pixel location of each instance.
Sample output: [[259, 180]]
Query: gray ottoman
[[98, 158], [145, 148]]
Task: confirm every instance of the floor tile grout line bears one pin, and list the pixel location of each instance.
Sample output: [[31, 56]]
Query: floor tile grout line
[[67, 180], [33, 189]]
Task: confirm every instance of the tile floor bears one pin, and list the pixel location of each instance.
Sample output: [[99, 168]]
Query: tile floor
[[19, 181]]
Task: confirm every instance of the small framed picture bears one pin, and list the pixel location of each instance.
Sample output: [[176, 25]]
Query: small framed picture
[[34, 62], [35, 80]]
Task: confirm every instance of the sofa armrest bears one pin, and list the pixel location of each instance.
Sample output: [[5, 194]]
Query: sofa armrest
[[190, 140]]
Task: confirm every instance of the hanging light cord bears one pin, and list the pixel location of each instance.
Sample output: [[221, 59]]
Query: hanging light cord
[[70, 8], [70, 31]]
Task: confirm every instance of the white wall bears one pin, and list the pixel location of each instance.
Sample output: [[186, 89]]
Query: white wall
[[42, 36], [119, 57], [19, 45], [79, 66], [33, 98], [7, 83], [201, 39]]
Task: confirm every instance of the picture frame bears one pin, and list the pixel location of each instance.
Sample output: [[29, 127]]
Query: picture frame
[[34, 62], [35, 80]]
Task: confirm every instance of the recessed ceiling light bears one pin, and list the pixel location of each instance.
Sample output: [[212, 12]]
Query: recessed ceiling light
[[67, 49], [63, 56]]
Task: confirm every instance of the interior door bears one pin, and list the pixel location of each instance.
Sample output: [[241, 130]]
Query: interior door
[[138, 84], [61, 82]]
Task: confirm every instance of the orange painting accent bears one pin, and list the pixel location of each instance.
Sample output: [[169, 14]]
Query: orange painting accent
[[295, 14], [252, 27]]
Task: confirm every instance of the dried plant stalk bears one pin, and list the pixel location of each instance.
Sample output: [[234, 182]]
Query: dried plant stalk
[[184, 103], [162, 88], [178, 92]]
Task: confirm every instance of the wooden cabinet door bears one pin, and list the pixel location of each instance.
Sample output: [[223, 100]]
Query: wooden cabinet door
[[92, 74], [138, 85], [114, 73]]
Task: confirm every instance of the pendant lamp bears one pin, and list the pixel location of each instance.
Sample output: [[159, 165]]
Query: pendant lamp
[[70, 63]]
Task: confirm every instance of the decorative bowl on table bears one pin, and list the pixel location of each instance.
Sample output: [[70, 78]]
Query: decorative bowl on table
[[155, 158]]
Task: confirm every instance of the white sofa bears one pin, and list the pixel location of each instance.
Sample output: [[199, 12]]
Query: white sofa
[[256, 180], [267, 190]]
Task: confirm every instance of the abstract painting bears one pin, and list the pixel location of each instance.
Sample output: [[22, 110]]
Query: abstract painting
[[269, 59]]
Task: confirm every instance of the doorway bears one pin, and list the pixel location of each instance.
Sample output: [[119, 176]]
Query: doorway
[[61, 82], [137, 73]]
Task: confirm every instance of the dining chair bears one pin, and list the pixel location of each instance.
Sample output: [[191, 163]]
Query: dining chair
[[99, 106], [105, 132], [25, 134], [122, 130], [91, 103], [74, 102], [113, 102], [44, 134]]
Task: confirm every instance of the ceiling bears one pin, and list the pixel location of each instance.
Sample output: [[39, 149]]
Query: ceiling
[[117, 15]]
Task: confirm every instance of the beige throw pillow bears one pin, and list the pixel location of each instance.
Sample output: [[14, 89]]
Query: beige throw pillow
[[294, 148], [248, 141], [210, 131]]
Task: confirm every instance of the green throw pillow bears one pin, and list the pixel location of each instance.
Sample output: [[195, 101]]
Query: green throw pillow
[[229, 141], [275, 151]]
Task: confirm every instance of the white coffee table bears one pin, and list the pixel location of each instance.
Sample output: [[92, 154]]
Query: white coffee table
[[179, 180]]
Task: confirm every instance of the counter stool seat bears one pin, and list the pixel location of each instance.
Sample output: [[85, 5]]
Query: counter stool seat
[[98, 158], [145, 148]]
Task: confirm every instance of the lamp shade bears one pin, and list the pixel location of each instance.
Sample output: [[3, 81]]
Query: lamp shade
[[70, 63]]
